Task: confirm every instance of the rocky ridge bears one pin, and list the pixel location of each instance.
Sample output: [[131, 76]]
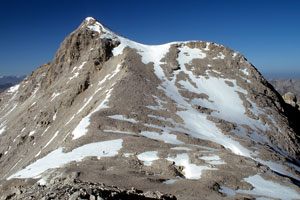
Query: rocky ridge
[[194, 119]]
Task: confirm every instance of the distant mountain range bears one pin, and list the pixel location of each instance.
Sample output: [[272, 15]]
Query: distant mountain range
[[8, 81], [286, 85]]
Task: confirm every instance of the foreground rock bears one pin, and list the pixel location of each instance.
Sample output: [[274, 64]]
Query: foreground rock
[[78, 190]]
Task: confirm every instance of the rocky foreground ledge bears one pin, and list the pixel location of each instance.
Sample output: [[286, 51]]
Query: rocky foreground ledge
[[79, 190]]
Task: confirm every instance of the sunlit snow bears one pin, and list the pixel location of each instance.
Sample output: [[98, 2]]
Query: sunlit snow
[[148, 157], [268, 188], [191, 171], [58, 158]]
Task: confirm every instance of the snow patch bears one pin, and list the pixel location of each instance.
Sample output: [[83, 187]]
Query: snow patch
[[51, 139], [170, 181], [277, 168], [206, 48], [2, 129], [148, 157], [191, 171], [186, 54], [80, 66], [227, 190], [54, 117], [54, 95], [268, 188], [165, 137], [13, 89], [82, 128], [219, 56], [117, 131], [181, 148], [121, 117], [245, 71], [32, 133], [58, 158], [213, 159], [127, 155], [95, 28], [42, 181]]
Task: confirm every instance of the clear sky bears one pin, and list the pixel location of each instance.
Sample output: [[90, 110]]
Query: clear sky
[[267, 32]]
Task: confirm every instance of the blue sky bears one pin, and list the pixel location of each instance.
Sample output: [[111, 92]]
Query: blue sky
[[267, 32]]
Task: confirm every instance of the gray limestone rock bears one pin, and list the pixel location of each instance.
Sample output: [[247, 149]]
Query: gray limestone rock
[[193, 119]]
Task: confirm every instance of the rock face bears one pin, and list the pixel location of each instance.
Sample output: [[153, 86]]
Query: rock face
[[192, 119], [291, 99]]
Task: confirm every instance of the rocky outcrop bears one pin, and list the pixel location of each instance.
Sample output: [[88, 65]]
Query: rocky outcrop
[[291, 99], [76, 190]]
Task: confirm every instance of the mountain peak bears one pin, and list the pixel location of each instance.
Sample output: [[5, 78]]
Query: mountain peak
[[90, 18], [108, 109]]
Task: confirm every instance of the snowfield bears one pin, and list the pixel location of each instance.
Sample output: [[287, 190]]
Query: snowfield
[[58, 158]]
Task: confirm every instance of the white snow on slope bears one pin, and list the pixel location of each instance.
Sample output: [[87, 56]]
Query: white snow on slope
[[181, 148], [245, 72], [148, 157], [49, 142], [271, 189], [161, 118], [277, 168], [192, 118], [191, 171], [165, 137], [170, 181], [82, 128], [54, 95], [190, 54], [122, 118], [2, 129], [31, 133], [219, 56], [9, 111], [80, 66], [76, 70], [227, 103], [54, 117], [159, 102], [13, 89], [154, 53], [117, 131], [227, 191], [58, 158], [213, 159]]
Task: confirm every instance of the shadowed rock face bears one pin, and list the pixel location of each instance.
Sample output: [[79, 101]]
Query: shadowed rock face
[[194, 119]]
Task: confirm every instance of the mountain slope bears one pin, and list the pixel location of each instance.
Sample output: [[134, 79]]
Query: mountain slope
[[194, 119]]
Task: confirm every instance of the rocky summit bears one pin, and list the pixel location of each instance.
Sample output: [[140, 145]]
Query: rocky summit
[[183, 120]]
